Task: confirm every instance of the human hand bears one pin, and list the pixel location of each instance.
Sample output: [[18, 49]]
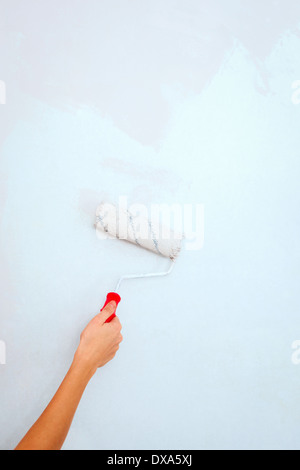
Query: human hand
[[99, 341]]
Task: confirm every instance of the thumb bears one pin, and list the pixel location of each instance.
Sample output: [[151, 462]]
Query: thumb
[[107, 311]]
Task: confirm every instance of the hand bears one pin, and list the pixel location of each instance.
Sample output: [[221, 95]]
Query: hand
[[99, 341]]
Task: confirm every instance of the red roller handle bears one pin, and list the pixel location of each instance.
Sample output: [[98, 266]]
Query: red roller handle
[[109, 298]]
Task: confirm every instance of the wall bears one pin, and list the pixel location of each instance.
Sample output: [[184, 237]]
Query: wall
[[187, 102]]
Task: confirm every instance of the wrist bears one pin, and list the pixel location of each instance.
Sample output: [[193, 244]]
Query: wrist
[[83, 367]]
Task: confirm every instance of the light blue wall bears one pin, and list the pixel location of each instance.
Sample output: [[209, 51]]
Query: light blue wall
[[186, 102]]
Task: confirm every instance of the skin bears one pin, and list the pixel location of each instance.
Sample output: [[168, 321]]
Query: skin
[[99, 343]]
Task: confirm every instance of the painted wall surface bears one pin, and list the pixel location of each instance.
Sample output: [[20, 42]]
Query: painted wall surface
[[188, 102]]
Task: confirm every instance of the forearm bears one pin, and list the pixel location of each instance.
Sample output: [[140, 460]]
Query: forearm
[[50, 430]]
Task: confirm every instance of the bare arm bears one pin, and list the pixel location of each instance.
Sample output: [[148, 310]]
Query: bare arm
[[99, 343]]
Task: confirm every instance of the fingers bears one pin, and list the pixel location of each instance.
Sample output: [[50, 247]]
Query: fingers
[[107, 312], [116, 324]]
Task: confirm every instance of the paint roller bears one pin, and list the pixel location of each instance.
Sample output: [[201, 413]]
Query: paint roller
[[120, 223]]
